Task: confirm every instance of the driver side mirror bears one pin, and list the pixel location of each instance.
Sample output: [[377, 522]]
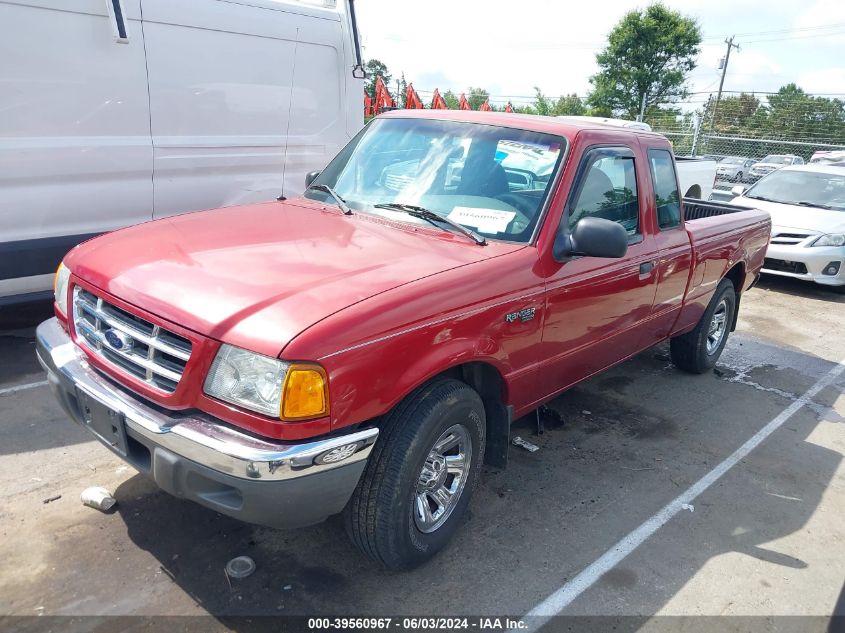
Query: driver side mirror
[[592, 237], [310, 177], [738, 190]]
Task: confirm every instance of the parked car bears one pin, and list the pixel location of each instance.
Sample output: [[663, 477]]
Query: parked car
[[734, 168], [807, 205], [697, 175], [828, 157], [110, 119], [364, 349], [772, 162]]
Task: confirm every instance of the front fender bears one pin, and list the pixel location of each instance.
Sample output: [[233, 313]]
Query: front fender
[[365, 383]]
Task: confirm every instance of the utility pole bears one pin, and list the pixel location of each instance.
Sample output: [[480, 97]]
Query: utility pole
[[731, 45], [641, 115]]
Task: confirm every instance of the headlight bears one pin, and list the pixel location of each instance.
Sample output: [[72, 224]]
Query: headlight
[[834, 239], [290, 391], [60, 287]]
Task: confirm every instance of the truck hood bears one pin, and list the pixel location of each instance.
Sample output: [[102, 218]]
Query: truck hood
[[256, 276], [798, 217]]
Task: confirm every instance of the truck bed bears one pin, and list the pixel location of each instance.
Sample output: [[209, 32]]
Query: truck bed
[[695, 209]]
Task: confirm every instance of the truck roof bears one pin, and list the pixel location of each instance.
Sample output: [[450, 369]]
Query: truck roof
[[562, 126]]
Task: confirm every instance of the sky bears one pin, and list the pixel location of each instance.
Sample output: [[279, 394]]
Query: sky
[[508, 47]]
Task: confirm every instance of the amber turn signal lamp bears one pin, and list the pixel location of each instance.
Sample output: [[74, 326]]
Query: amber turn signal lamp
[[305, 393]]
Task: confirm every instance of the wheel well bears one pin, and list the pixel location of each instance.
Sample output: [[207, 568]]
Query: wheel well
[[737, 277], [693, 192], [490, 385]]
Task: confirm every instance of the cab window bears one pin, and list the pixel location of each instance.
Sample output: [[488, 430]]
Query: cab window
[[666, 198], [608, 189]]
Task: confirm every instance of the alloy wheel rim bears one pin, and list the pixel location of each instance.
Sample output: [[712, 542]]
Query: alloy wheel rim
[[442, 478], [718, 327]]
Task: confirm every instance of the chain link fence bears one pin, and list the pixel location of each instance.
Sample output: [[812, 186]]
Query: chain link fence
[[745, 130]]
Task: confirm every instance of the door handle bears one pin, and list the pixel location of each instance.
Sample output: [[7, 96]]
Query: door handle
[[646, 268]]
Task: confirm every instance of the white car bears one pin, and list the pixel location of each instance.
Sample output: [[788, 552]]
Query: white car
[[807, 205], [771, 163], [119, 112]]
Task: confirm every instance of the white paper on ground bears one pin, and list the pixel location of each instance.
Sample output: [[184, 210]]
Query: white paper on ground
[[485, 220]]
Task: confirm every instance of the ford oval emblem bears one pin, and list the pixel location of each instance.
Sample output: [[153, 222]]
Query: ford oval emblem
[[118, 340]]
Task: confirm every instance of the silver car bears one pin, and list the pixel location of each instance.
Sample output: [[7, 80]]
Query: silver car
[[807, 205], [734, 168], [771, 163]]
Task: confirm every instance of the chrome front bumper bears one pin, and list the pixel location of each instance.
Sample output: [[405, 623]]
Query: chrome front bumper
[[276, 483]]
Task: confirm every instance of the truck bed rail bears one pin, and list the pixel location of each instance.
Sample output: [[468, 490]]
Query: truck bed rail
[[695, 209]]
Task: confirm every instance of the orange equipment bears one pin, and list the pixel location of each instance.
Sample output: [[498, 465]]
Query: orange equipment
[[383, 99], [437, 102], [412, 99]]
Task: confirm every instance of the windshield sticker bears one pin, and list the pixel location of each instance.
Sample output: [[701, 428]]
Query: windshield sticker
[[485, 220]]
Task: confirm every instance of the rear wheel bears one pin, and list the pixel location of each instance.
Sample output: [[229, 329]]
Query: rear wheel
[[698, 350], [420, 475]]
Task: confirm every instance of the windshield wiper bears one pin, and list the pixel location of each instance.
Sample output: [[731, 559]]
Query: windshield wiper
[[340, 201], [806, 203], [430, 216], [764, 199]]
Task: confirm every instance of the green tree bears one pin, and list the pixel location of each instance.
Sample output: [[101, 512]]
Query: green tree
[[375, 68], [401, 98], [476, 97], [736, 115], [565, 105], [451, 100], [792, 113], [648, 55], [569, 105], [542, 104]]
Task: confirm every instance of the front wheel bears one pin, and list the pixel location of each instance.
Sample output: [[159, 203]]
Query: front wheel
[[698, 350], [420, 475]]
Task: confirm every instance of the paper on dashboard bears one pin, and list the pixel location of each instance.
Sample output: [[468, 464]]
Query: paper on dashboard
[[484, 220]]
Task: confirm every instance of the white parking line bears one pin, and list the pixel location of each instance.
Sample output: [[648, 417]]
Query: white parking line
[[564, 596], [31, 385]]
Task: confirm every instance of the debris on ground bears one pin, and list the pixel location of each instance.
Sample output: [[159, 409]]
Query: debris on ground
[[585, 412], [528, 446], [688, 506], [240, 567], [98, 497], [51, 499]]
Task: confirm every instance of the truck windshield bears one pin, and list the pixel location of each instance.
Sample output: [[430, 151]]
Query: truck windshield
[[493, 180], [807, 188]]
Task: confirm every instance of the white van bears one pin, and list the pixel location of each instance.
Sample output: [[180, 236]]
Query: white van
[[114, 112]]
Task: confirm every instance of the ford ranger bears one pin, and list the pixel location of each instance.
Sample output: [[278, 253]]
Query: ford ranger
[[364, 348]]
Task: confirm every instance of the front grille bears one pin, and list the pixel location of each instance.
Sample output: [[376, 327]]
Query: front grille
[[397, 182], [789, 238], [130, 343], [780, 265]]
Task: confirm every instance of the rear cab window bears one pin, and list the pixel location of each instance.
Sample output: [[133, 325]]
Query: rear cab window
[[667, 200]]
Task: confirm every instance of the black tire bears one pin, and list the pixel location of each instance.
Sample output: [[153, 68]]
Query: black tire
[[738, 177], [692, 351], [380, 516]]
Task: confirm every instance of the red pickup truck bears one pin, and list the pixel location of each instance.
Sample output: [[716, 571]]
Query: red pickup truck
[[364, 348]]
